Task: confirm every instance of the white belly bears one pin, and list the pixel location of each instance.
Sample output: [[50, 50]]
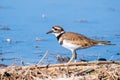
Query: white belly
[[70, 46]]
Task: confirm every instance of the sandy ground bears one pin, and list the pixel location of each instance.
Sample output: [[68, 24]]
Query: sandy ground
[[72, 71]]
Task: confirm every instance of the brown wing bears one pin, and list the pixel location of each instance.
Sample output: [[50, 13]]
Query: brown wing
[[78, 39]]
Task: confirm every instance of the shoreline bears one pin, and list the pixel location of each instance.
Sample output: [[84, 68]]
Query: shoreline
[[74, 71]]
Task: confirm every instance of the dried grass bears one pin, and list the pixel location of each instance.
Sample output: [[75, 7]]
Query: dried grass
[[73, 71]]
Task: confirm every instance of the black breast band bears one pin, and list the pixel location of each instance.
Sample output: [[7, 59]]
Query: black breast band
[[58, 37]]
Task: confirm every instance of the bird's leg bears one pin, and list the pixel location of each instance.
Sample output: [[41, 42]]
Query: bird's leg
[[73, 56]]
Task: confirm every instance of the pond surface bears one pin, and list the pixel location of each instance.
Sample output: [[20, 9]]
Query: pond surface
[[24, 23]]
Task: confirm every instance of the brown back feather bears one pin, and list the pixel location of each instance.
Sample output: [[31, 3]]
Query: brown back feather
[[79, 39]]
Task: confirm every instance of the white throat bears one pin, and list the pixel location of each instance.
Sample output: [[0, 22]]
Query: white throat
[[57, 34]]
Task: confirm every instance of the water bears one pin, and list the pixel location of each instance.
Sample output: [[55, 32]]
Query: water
[[29, 20]]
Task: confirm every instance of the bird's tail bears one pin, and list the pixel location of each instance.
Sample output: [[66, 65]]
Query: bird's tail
[[104, 43]]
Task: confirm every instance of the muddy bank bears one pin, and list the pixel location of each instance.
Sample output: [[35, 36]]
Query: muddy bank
[[74, 71]]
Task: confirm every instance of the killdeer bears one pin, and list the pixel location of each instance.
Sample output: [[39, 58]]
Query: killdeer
[[74, 41]]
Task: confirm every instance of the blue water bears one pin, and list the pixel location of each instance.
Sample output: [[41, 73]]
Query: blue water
[[31, 19]]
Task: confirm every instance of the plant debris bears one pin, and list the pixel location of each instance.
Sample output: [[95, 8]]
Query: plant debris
[[99, 70]]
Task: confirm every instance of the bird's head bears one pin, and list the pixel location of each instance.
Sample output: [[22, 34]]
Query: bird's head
[[56, 30]]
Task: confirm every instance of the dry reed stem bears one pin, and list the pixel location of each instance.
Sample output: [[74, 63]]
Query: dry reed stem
[[74, 71], [43, 57]]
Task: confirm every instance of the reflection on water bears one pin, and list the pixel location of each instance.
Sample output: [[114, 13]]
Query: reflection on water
[[24, 23]]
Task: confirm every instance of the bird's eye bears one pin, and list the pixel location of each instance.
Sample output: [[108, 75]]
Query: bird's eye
[[55, 29]]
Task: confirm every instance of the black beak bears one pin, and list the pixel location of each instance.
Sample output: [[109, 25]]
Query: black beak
[[49, 32]]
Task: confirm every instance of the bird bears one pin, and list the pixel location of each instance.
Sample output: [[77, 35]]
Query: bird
[[74, 41]]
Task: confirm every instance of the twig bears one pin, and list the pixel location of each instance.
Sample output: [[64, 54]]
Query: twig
[[81, 63], [42, 57], [35, 78], [22, 62], [15, 62], [111, 57], [83, 72]]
